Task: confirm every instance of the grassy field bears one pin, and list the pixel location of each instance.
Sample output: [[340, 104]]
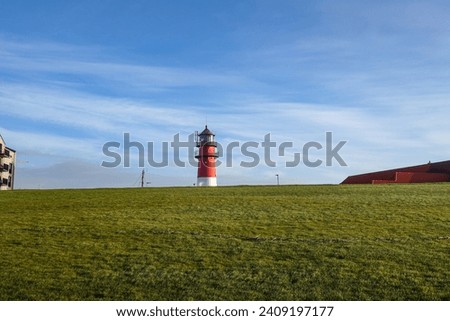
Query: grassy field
[[386, 242]]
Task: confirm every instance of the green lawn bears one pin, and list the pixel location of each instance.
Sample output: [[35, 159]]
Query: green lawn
[[385, 242]]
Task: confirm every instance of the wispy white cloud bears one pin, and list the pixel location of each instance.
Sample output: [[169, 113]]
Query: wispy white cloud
[[99, 115], [50, 60], [53, 146]]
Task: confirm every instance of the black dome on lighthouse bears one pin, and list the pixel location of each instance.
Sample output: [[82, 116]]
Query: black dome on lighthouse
[[206, 131]]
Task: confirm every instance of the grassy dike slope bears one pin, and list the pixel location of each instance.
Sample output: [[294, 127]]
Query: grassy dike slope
[[387, 242]]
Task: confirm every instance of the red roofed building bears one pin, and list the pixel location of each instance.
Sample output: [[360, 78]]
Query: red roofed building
[[427, 173]]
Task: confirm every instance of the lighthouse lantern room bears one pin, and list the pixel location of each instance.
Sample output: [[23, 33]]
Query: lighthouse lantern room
[[207, 154]]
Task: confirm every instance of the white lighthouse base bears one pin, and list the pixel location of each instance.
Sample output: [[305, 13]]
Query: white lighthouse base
[[206, 181]]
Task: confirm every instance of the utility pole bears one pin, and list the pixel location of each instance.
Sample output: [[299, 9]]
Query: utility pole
[[142, 178]]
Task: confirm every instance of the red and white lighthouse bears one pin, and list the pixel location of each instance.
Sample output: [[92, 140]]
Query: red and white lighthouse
[[207, 154]]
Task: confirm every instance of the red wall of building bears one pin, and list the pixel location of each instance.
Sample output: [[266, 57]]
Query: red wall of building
[[420, 177], [427, 173], [408, 177]]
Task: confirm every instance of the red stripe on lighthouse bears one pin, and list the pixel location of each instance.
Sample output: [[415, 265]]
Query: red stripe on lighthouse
[[206, 174], [207, 162]]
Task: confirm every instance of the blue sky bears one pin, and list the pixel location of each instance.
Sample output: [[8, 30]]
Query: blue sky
[[77, 74]]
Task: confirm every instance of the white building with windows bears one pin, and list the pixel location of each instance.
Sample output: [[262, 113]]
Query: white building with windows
[[7, 166]]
